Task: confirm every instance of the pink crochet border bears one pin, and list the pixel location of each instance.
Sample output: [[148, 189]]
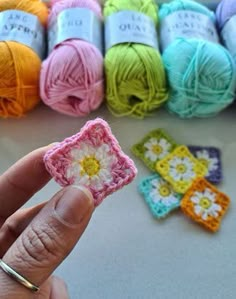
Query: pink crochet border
[[57, 168]]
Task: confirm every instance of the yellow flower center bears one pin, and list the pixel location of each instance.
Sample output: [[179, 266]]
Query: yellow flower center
[[181, 168], [205, 203], [90, 165], [204, 162], [157, 149], [164, 190]]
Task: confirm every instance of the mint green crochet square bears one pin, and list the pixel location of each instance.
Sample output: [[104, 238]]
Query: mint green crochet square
[[159, 196], [154, 147]]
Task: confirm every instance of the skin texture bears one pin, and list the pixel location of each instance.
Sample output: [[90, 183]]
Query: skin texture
[[32, 239]]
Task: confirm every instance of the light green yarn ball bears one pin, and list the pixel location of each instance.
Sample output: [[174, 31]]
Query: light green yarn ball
[[201, 74], [135, 75]]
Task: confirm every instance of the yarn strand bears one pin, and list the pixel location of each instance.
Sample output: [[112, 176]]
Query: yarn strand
[[72, 79], [135, 75], [201, 73], [20, 65]]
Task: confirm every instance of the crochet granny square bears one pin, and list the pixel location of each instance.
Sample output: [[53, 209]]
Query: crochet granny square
[[154, 147], [211, 158], [205, 204], [180, 169], [159, 195], [92, 158]]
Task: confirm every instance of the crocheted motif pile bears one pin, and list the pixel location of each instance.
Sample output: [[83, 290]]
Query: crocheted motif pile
[[182, 177]]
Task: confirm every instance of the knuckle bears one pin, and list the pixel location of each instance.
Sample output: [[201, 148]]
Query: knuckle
[[40, 245], [10, 228]]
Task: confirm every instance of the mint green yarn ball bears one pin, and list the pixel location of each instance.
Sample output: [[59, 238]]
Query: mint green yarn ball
[[201, 74]]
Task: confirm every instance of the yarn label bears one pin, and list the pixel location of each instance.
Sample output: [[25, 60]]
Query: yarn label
[[228, 35], [130, 27], [187, 24], [24, 28], [75, 23]]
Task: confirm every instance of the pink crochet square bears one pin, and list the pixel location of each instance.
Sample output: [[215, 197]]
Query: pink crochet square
[[92, 158]]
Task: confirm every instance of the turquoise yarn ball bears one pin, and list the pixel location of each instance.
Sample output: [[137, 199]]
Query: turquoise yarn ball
[[201, 74]]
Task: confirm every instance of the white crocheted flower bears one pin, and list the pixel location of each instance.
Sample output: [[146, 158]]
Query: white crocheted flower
[[204, 157], [156, 149], [91, 166], [162, 192], [204, 204], [181, 169]]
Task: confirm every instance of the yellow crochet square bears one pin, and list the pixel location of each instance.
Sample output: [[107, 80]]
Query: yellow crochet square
[[180, 169], [205, 204]]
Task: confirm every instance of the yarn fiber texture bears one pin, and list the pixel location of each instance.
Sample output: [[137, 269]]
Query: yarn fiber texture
[[224, 12], [20, 65], [201, 74], [72, 79], [135, 76], [226, 9]]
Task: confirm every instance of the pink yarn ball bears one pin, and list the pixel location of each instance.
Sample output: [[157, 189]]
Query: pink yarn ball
[[72, 78]]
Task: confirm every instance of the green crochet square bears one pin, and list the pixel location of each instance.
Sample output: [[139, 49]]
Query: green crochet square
[[154, 147]]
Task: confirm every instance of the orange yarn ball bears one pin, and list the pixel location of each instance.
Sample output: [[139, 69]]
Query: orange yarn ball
[[20, 65]]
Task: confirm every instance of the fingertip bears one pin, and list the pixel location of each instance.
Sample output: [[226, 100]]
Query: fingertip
[[86, 192], [74, 205], [43, 149], [59, 288]]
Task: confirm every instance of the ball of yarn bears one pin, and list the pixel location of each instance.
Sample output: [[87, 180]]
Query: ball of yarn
[[136, 82], [201, 74], [226, 9], [20, 65], [72, 80], [47, 2]]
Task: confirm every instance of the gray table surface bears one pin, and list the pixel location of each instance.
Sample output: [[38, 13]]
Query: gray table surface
[[126, 253]]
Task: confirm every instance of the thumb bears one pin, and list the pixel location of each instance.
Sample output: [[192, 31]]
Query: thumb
[[50, 237]]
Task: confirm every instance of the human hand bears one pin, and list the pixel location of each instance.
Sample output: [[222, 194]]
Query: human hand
[[36, 240]]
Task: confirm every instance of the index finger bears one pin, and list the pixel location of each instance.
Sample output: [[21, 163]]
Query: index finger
[[21, 181]]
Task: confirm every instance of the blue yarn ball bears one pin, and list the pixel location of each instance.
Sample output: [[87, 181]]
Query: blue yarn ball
[[201, 74]]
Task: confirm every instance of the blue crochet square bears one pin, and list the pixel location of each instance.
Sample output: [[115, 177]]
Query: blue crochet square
[[159, 195]]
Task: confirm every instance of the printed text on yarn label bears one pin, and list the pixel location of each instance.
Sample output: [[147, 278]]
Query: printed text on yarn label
[[23, 28], [130, 27], [75, 23], [187, 24], [228, 35]]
